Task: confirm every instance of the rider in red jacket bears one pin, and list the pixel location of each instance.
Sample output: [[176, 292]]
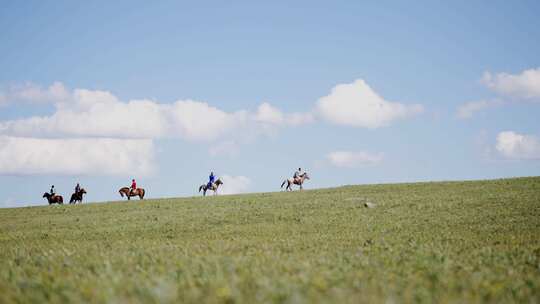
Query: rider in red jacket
[[133, 186]]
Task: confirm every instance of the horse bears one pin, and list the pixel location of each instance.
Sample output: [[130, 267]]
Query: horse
[[77, 196], [295, 181], [213, 187], [128, 193], [53, 199]]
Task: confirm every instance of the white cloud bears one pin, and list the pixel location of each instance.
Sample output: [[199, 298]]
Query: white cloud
[[266, 113], [356, 104], [101, 114], [198, 121], [348, 159], [87, 113], [83, 99], [234, 184], [136, 119], [524, 85], [518, 146], [93, 156], [269, 114], [32, 93], [468, 109]]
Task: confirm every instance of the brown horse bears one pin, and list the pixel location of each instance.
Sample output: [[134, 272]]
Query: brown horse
[[295, 181], [77, 196], [213, 187], [128, 193], [54, 199]]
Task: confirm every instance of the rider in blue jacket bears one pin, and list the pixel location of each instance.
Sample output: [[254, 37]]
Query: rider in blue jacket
[[211, 180]]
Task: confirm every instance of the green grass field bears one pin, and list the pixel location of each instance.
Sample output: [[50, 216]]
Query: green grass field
[[446, 242]]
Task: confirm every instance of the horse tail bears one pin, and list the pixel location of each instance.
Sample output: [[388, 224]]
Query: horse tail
[[142, 193], [121, 193], [282, 184], [200, 188]]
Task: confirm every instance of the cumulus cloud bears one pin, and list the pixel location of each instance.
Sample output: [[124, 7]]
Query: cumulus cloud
[[467, 110], [512, 145], [234, 184], [523, 85], [94, 113], [136, 119], [266, 113], [33, 93], [349, 159], [105, 116], [84, 119], [269, 114], [356, 104], [96, 156], [95, 117], [197, 120]]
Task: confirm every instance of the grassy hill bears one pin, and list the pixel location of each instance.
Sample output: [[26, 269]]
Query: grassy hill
[[425, 242]]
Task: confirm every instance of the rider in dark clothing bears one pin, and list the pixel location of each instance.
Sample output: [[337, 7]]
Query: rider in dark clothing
[[77, 188], [53, 191]]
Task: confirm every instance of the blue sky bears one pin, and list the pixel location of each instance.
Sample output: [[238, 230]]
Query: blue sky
[[352, 91]]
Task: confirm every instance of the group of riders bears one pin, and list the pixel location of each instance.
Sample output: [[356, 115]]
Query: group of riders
[[213, 184], [52, 197], [77, 190], [298, 179]]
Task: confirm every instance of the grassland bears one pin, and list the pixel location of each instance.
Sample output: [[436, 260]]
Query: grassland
[[447, 242]]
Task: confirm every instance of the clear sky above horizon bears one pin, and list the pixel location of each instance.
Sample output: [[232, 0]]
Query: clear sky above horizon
[[351, 91]]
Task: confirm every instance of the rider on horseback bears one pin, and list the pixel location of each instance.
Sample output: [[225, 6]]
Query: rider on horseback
[[211, 180], [77, 188], [53, 191], [133, 187], [297, 174]]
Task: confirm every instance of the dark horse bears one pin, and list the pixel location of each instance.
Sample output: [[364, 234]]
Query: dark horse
[[127, 192], [213, 187], [295, 181], [53, 199], [77, 196]]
